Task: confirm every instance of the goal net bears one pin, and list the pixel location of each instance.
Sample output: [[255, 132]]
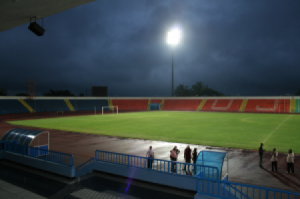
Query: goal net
[[109, 109]]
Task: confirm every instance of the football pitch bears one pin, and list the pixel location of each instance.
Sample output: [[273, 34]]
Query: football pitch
[[236, 130]]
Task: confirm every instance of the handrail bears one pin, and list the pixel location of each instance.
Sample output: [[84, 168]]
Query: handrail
[[159, 165], [229, 190], [42, 154], [77, 168]]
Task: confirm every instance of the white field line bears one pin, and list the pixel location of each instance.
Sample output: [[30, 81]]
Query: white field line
[[277, 128]]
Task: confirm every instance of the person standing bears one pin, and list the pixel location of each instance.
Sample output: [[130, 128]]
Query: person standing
[[261, 153], [274, 159], [187, 157], [150, 156], [173, 157], [290, 161], [194, 158]]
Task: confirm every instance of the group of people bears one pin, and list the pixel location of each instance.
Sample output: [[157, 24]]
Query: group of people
[[188, 156], [274, 158]]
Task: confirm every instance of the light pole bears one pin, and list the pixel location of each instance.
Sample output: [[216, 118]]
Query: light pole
[[173, 39]]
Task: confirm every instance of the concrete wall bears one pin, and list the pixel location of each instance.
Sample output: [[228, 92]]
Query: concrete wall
[[39, 164], [169, 179], [2, 154]]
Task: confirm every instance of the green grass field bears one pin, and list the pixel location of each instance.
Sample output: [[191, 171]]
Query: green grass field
[[236, 130]]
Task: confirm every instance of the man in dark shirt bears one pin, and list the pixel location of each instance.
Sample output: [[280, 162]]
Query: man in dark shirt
[[261, 153], [187, 156]]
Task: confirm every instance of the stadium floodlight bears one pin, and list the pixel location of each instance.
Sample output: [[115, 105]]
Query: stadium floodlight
[[173, 38]]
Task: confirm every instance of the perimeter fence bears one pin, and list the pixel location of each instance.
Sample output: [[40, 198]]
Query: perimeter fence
[[232, 190], [159, 165], [34, 152]]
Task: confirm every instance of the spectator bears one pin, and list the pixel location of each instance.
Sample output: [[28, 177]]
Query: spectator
[[187, 157], [290, 161], [194, 158], [274, 159], [261, 153], [173, 156], [150, 156]]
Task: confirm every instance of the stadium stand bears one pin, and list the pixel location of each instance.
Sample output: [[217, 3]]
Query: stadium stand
[[42, 104], [131, 104], [268, 105], [297, 106], [228, 105], [88, 105], [156, 101], [48, 105], [12, 106], [181, 104]]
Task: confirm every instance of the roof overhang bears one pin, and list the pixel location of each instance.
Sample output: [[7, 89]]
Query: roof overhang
[[14, 13]]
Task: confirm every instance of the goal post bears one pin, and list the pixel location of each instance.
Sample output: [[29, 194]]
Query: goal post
[[113, 109]]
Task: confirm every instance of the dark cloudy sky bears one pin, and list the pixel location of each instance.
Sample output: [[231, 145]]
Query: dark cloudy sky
[[251, 48]]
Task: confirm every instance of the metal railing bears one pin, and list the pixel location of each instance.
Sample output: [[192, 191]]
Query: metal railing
[[232, 190], [47, 155], [159, 165]]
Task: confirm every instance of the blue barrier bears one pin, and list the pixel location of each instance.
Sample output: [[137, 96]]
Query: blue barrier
[[159, 165], [231, 190], [50, 156]]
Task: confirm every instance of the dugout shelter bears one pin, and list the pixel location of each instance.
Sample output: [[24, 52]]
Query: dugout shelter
[[31, 139], [213, 159]]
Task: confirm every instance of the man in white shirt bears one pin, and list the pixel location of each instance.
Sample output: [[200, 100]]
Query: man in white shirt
[[274, 159], [150, 156]]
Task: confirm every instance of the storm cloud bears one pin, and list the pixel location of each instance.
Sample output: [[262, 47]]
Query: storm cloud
[[235, 47]]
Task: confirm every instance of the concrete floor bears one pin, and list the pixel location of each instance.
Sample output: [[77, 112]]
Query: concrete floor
[[243, 164], [17, 181]]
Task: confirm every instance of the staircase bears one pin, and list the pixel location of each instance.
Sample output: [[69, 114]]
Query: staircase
[[27, 106], [201, 105], [243, 105], [110, 104], [292, 106], [148, 107], [162, 104], [69, 105]]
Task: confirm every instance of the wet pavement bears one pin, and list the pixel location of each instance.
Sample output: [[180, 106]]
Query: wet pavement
[[243, 164]]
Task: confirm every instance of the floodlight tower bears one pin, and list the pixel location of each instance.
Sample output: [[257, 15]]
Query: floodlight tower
[[173, 38]]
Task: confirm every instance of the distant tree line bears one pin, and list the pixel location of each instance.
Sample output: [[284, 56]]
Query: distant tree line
[[60, 93], [198, 89], [297, 93]]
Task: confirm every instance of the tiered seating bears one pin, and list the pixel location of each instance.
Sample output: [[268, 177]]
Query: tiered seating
[[48, 105], [156, 101], [12, 106], [88, 105], [227, 105], [131, 104], [268, 105], [181, 104]]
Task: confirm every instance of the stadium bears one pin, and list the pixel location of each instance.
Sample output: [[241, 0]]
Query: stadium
[[191, 144]]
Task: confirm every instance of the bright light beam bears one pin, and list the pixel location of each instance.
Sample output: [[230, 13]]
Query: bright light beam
[[173, 36]]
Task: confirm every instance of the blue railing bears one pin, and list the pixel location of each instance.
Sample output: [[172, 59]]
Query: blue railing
[[231, 190], [83, 164], [49, 156], [165, 166]]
